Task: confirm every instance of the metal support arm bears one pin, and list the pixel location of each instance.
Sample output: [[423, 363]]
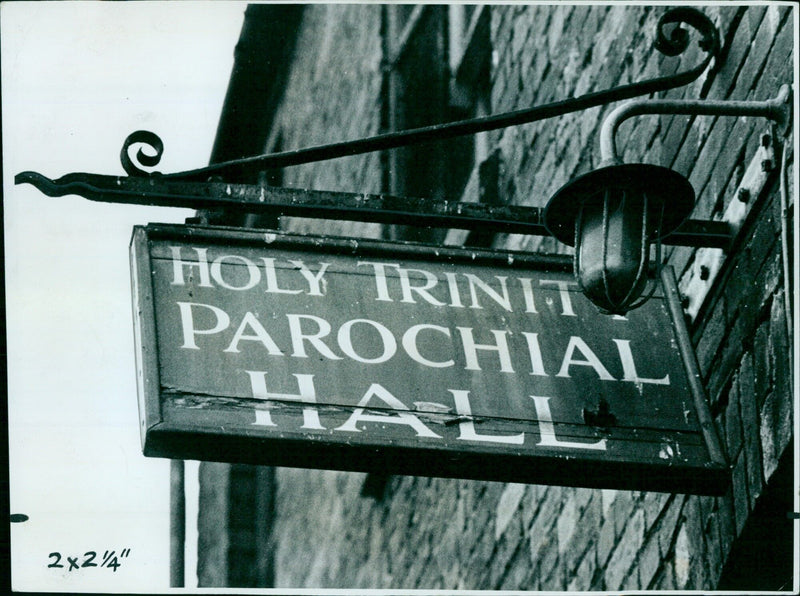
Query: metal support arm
[[162, 191]]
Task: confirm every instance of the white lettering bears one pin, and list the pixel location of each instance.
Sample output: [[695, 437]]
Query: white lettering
[[401, 417], [467, 427], [272, 278], [475, 281], [535, 351], [471, 349], [422, 290], [527, 293], [452, 285], [346, 342], [178, 264], [314, 280], [380, 279], [187, 323], [250, 320], [629, 367], [593, 361], [307, 394], [410, 345], [216, 272], [547, 429], [315, 339]]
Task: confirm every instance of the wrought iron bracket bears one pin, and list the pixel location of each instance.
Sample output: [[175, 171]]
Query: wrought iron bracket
[[202, 189]]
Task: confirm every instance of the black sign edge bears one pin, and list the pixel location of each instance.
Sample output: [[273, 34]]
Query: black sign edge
[[148, 380], [165, 440]]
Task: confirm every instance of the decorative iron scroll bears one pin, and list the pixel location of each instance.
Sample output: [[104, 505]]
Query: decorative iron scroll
[[144, 137]]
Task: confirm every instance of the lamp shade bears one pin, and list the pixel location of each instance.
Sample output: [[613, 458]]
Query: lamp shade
[[611, 216]]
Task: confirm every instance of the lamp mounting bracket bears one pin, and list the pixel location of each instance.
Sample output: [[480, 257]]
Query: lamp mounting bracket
[[777, 109]]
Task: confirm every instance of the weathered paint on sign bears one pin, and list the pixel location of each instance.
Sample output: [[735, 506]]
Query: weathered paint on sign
[[288, 350]]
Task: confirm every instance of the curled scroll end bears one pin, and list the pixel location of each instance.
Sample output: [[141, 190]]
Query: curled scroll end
[[52, 188], [42, 183], [149, 139], [675, 42]]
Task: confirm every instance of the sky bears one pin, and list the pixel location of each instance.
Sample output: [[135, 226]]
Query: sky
[[77, 78]]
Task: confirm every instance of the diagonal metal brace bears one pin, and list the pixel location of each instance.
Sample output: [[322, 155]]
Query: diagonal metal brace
[[670, 40]]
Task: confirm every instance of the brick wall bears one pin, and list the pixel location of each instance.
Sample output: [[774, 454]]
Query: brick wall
[[458, 534], [333, 94]]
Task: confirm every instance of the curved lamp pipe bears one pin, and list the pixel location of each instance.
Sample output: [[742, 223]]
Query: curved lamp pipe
[[775, 109]]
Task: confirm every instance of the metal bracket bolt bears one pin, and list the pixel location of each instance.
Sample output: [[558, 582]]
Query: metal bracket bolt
[[743, 194], [767, 165]]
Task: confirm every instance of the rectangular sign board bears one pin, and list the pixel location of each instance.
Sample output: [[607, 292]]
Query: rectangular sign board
[[289, 350]]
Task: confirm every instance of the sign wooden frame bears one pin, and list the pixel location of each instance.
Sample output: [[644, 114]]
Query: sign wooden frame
[[191, 406]]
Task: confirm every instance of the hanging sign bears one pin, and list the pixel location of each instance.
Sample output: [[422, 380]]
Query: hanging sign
[[328, 353]]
